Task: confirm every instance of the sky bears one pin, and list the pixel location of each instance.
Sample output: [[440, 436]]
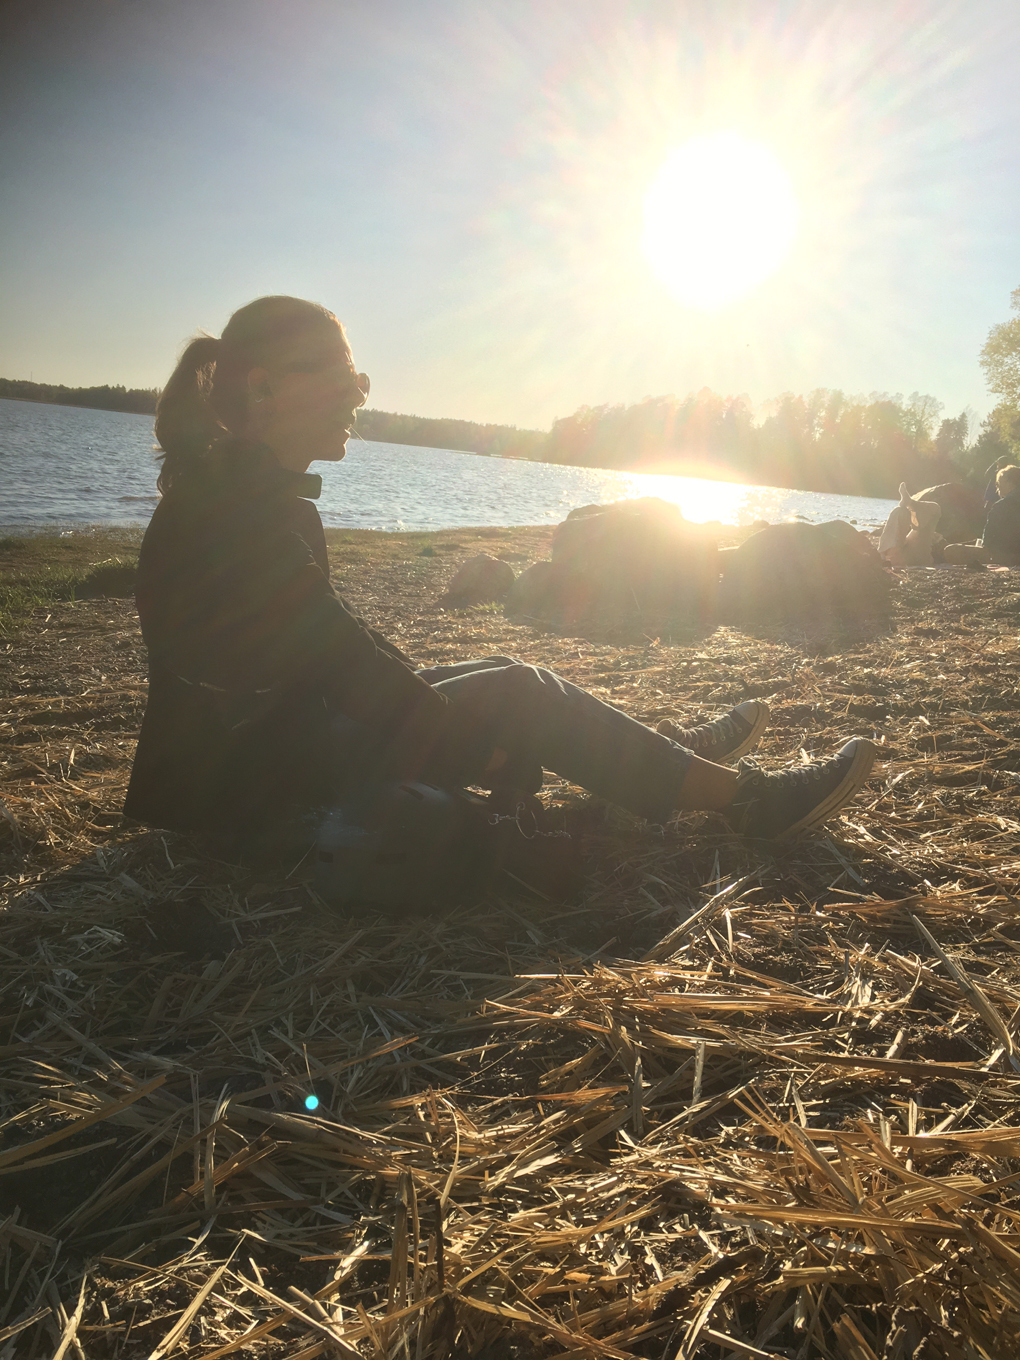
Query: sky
[[466, 186]]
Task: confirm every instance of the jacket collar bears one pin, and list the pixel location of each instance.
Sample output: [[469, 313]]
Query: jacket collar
[[256, 467]]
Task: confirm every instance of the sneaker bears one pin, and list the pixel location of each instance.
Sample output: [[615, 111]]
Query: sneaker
[[775, 806], [727, 738]]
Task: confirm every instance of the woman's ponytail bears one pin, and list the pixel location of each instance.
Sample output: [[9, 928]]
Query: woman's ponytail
[[185, 422]]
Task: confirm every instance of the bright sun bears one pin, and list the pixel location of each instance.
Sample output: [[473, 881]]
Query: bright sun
[[720, 217]]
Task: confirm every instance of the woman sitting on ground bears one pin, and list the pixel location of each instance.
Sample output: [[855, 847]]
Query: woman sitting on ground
[[1002, 527], [269, 697]]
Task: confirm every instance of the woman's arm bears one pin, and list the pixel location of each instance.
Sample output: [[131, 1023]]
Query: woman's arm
[[301, 636]]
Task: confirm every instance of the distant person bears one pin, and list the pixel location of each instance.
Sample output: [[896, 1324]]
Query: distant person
[[991, 490], [908, 539], [1002, 527], [268, 696]]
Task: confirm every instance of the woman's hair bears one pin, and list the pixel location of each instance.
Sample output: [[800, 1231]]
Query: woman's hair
[[1007, 479], [206, 396]]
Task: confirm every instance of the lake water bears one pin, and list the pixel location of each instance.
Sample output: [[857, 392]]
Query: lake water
[[65, 465]]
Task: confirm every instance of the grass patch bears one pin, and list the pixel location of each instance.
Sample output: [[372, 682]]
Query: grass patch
[[38, 570], [378, 547]]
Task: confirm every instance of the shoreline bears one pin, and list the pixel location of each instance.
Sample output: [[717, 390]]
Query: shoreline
[[35, 527]]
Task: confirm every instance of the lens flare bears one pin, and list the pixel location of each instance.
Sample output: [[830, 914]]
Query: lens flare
[[719, 218], [311, 1102]]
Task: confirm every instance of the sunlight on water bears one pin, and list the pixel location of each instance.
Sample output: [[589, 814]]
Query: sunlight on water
[[700, 500], [65, 465]]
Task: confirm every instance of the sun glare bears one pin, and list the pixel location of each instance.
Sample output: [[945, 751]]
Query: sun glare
[[720, 217]]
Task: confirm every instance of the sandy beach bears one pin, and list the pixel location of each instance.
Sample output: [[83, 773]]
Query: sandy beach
[[736, 1097]]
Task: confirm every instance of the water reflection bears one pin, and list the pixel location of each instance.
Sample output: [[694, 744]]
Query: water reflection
[[392, 486], [68, 465], [728, 502]]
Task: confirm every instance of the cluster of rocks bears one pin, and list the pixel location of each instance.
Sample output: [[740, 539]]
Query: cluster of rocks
[[641, 558]]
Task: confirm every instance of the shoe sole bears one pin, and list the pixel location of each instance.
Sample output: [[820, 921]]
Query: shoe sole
[[859, 769], [667, 727]]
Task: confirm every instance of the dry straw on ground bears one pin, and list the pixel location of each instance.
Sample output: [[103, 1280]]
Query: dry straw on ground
[[736, 1102]]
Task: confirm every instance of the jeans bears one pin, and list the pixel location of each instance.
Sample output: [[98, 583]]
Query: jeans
[[544, 722]]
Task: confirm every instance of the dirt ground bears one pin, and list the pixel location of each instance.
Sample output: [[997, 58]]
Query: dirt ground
[[734, 1100]]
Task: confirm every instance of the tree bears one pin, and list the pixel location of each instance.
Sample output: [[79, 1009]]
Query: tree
[[975, 463], [1000, 357], [951, 440], [920, 415]]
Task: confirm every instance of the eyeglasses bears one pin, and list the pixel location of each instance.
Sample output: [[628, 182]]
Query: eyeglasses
[[360, 380]]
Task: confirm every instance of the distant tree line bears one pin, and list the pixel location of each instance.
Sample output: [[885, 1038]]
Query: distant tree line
[[504, 441], [141, 400], [825, 441]]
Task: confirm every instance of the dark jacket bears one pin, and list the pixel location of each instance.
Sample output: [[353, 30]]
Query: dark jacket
[[252, 656], [1002, 531]]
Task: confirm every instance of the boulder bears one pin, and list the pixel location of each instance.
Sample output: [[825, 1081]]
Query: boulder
[[627, 560], [479, 580], [804, 572], [963, 510], [651, 505], [530, 595]]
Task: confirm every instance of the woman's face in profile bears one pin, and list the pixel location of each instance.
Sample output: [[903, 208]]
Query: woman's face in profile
[[311, 397]]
